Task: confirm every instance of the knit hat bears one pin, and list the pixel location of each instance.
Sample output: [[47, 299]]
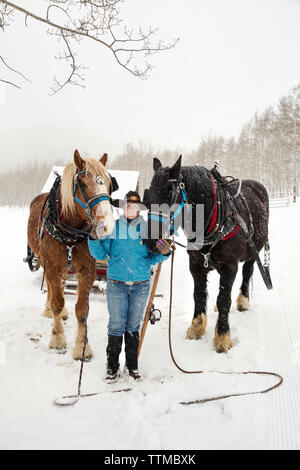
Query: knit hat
[[132, 196]]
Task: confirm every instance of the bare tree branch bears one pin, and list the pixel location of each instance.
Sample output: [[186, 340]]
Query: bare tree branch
[[74, 78], [14, 71], [95, 20], [10, 83]]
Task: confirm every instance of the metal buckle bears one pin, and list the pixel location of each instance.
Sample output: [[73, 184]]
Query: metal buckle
[[206, 259], [155, 315]]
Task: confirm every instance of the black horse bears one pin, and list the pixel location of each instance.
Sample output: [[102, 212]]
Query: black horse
[[236, 213]]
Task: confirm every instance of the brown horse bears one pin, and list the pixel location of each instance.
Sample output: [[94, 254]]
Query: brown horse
[[58, 229]]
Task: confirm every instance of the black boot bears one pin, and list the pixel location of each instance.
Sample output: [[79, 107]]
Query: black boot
[[132, 339], [113, 350]]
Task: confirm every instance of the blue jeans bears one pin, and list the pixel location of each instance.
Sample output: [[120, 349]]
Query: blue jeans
[[126, 306]]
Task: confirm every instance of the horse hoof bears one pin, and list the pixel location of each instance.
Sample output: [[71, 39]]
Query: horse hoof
[[222, 343], [78, 350], [242, 303], [58, 342], [198, 327]]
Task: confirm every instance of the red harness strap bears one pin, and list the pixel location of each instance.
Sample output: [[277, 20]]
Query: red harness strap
[[213, 219], [214, 216], [233, 233]]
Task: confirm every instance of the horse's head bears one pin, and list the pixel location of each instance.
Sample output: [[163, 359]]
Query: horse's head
[[160, 199], [86, 189]]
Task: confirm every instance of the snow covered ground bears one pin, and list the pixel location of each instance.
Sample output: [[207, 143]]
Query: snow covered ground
[[267, 337]]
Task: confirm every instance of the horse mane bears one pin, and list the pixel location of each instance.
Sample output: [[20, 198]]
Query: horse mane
[[198, 182], [91, 165]]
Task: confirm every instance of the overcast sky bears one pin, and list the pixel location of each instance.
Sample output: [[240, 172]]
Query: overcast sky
[[234, 57]]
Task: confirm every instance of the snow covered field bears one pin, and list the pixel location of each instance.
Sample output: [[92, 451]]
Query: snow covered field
[[267, 337]]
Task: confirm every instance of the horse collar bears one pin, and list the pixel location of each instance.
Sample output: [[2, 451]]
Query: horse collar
[[53, 224]]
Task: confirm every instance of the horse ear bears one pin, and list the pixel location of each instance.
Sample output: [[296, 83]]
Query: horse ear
[[156, 164], [175, 170], [104, 159], [79, 162]]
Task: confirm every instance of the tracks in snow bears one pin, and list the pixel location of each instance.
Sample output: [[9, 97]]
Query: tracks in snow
[[279, 342]]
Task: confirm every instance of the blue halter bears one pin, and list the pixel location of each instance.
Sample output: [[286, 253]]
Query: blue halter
[[92, 202], [164, 217], [88, 204]]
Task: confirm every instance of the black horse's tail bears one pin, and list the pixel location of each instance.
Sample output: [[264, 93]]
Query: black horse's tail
[[267, 262]]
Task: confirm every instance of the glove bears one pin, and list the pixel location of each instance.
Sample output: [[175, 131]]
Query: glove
[[97, 232], [163, 246], [100, 229], [93, 234]]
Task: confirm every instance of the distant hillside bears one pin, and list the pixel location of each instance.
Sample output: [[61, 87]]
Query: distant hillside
[[267, 149]]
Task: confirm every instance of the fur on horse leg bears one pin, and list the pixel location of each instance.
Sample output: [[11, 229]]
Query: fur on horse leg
[[80, 314], [79, 343], [198, 327], [242, 303], [64, 312], [47, 309], [58, 339], [223, 342], [199, 322]]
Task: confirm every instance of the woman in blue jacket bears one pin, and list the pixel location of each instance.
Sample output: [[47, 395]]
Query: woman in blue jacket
[[128, 283]]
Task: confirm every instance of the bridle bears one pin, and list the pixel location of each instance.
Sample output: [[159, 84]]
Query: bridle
[[178, 187], [88, 204]]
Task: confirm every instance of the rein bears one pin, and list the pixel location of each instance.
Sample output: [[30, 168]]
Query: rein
[[71, 400], [184, 371]]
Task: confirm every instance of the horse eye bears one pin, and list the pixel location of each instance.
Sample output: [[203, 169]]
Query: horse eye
[[83, 184]]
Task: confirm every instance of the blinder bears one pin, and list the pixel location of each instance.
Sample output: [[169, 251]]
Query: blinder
[[114, 186], [146, 198]]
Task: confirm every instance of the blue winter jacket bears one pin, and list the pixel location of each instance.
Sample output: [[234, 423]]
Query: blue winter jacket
[[129, 258]]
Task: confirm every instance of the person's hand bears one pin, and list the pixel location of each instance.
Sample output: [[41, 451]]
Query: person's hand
[[163, 246], [93, 233], [97, 231], [100, 229]]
